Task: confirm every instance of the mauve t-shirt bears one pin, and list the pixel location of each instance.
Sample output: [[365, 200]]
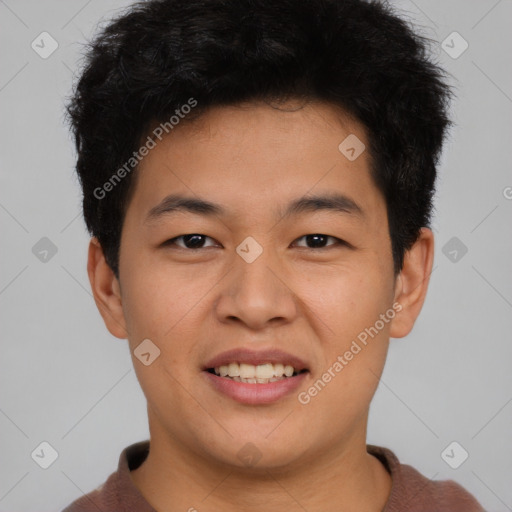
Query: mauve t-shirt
[[410, 490]]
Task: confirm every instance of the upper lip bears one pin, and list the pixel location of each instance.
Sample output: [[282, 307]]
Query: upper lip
[[255, 357]]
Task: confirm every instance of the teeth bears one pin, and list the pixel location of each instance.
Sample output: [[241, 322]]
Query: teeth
[[278, 370], [288, 370], [247, 371], [262, 373], [234, 370], [256, 381]]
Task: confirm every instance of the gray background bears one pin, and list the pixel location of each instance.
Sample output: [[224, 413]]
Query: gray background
[[65, 380]]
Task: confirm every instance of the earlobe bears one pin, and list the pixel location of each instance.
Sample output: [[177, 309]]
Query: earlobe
[[106, 290], [412, 283]]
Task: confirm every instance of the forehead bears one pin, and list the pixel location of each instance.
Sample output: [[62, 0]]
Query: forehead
[[250, 155]]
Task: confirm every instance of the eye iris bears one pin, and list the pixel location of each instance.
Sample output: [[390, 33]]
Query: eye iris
[[315, 238], [199, 240], [196, 241]]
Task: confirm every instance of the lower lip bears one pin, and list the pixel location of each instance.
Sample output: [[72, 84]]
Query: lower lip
[[255, 394]]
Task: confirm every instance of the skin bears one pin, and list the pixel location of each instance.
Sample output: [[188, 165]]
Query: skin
[[196, 303]]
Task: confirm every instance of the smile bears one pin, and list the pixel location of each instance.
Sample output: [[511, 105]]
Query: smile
[[255, 374]]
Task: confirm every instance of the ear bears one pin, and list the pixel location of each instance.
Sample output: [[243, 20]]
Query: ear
[[106, 290], [412, 283]]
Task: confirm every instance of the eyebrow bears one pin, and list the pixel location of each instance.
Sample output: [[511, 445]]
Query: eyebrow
[[335, 202]]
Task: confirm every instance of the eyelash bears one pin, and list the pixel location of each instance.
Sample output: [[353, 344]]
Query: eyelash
[[339, 242]]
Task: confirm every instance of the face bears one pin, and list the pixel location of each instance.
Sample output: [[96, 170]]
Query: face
[[261, 285]]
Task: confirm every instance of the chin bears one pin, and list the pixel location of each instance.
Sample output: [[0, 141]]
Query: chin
[[255, 453]]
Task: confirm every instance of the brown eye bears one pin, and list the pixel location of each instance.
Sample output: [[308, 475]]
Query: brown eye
[[189, 241], [319, 241]]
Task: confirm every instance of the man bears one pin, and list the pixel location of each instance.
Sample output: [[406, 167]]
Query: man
[[258, 180]]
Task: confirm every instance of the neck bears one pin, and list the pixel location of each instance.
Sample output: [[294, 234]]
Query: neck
[[344, 478]]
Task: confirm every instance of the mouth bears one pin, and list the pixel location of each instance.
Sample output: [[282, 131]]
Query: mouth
[[255, 377], [255, 374]]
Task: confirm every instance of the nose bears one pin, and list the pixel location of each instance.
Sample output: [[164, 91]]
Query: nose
[[257, 294]]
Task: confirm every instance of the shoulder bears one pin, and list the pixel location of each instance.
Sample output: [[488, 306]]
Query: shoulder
[[98, 499], [118, 492], [413, 492]]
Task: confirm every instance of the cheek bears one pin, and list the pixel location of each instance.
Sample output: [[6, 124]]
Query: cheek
[[344, 300], [169, 307], [160, 297], [347, 306], [150, 309]]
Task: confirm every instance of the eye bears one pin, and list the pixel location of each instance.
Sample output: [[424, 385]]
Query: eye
[[189, 241], [196, 241], [319, 240]]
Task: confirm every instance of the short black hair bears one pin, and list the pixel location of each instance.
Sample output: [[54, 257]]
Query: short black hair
[[359, 55]]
